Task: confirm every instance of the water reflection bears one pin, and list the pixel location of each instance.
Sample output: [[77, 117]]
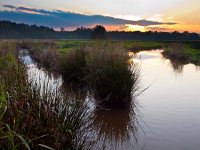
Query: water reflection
[[175, 63], [25, 58], [76, 93], [156, 55], [115, 127]]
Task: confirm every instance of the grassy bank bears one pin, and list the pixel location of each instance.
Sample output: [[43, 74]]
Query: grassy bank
[[70, 45], [187, 52], [140, 45]]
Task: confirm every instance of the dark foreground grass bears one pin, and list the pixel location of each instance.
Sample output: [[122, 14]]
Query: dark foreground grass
[[30, 119]]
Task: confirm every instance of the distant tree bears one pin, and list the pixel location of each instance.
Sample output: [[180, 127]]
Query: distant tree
[[99, 32], [62, 29]]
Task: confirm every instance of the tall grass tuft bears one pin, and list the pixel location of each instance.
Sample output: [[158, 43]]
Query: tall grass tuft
[[110, 75]]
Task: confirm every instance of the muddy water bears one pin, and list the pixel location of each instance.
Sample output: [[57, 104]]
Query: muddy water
[[163, 117]]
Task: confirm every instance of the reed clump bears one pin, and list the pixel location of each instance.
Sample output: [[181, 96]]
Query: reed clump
[[110, 75]]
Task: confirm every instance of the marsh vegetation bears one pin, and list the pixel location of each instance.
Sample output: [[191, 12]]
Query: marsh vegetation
[[33, 116], [98, 88]]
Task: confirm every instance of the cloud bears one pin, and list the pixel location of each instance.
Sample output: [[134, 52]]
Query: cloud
[[9, 6], [27, 10], [58, 18], [157, 28]]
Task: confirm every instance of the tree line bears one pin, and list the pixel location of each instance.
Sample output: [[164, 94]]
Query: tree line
[[11, 30]]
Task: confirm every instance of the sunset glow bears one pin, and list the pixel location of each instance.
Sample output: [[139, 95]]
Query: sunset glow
[[167, 16], [135, 28]]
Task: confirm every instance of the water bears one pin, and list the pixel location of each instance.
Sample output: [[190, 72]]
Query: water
[[39, 76], [165, 116], [170, 108]]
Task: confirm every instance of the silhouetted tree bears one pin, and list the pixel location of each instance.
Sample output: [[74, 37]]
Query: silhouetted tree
[[99, 32], [62, 29]]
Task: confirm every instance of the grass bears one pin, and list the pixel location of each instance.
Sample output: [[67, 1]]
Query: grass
[[102, 67], [69, 45], [139, 45], [30, 119], [44, 52], [72, 65], [110, 75], [187, 52], [65, 46]]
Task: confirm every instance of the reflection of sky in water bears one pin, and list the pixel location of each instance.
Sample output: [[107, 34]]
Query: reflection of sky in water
[[25, 57], [26, 60], [170, 106], [148, 55]]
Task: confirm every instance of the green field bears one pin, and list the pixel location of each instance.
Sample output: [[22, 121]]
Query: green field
[[68, 45]]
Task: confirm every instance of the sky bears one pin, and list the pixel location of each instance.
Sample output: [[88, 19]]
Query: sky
[[126, 15]]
